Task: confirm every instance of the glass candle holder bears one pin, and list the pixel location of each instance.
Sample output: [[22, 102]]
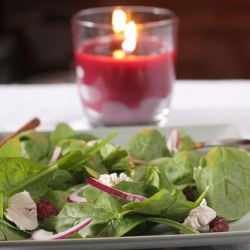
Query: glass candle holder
[[125, 72]]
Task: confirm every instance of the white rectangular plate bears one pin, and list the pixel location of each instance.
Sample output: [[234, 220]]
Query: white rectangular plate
[[239, 231]]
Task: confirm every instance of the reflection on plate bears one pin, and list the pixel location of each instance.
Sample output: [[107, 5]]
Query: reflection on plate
[[239, 230]]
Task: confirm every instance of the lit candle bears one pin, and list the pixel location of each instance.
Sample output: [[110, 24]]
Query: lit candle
[[126, 77]]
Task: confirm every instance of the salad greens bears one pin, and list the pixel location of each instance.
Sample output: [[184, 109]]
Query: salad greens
[[221, 177]]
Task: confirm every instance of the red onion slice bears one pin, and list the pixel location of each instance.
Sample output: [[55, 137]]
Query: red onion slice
[[55, 155], [173, 140], [74, 198], [45, 235], [127, 196]]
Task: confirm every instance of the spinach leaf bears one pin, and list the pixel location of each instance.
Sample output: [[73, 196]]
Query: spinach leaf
[[61, 198], [157, 178], [35, 145], [177, 168], [94, 165], [84, 137], [71, 214], [120, 226], [155, 205], [58, 179], [149, 144], [64, 131], [61, 132], [179, 210], [173, 224], [227, 174], [138, 188], [165, 205], [90, 193], [9, 232], [74, 159], [18, 172], [69, 145], [186, 142], [115, 159], [11, 148], [139, 173]]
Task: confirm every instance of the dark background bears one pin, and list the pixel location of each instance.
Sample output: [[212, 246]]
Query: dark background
[[35, 38]]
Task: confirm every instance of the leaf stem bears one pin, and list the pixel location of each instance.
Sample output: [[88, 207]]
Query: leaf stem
[[93, 150], [173, 224], [36, 177], [202, 196]]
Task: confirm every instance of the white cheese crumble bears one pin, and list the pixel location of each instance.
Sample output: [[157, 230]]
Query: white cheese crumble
[[200, 216], [22, 211], [112, 179]]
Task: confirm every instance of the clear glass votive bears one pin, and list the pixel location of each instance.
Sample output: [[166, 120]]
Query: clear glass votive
[[125, 74]]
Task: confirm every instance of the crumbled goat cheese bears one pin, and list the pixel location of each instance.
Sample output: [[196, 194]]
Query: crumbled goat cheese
[[199, 216], [22, 211], [113, 179]]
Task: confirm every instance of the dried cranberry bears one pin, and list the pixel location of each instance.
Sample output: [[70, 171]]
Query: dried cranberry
[[218, 225], [188, 194], [45, 209]]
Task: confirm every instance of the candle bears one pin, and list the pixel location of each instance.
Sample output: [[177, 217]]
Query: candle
[[124, 80]]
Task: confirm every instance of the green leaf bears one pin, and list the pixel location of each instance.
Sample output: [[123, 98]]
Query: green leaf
[[61, 197], [173, 224], [95, 166], [1, 205], [227, 174], [108, 203], [16, 173], [117, 160], [180, 209], [138, 188], [69, 145], [9, 232], [177, 168], [149, 144], [156, 178], [58, 178], [11, 148], [76, 158], [118, 227], [84, 137], [35, 145], [155, 205], [72, 214], [90, 193], [186, 142], [61, 132]]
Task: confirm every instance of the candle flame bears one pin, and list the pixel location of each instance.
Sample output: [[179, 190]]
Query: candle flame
[[130, 35], [119, 19], [118, 54]]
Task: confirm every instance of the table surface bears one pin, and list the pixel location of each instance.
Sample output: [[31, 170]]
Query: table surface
[[197, 102], [193, 103]]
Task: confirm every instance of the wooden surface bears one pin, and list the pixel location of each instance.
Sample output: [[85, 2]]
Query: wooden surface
[[214, 35]]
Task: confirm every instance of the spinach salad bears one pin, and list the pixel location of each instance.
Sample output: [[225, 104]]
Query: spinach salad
[[53, 168]]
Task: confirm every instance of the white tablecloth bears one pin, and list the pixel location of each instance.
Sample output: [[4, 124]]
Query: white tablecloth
[[194, 102]]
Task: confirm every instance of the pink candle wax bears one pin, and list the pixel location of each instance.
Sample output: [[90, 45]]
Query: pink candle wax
[[130, 90]]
